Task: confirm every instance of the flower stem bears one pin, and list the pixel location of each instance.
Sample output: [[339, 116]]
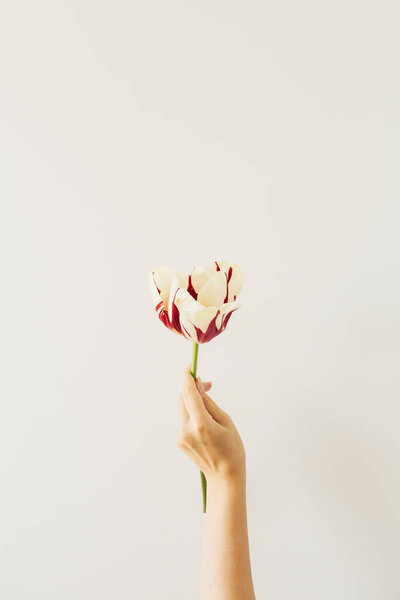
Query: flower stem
[[195, 354], [193, 371]]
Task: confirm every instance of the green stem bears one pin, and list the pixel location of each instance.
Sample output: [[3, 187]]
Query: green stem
[[195, 354], [204, 490], [193, 371]]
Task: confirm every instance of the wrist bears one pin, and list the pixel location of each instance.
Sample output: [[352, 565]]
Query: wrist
[[227, 481], [225, 494]]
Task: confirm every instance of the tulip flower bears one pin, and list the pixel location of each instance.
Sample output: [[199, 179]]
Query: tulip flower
[[197, 306]]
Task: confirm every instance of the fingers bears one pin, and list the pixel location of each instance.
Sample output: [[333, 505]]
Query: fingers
[[213, 409], [183, 413], [192, 398]]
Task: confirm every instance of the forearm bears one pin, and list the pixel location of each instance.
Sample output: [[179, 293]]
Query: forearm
[[226, 571]]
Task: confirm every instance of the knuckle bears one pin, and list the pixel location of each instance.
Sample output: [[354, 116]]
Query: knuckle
[[182, 439], [179, 441], [199, 428]]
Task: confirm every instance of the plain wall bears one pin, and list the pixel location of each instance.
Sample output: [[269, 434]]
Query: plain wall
[[136, 134]]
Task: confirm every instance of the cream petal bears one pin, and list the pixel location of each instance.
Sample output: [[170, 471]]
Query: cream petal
[[223, 265], [173, 288], [225, 309], [200, 276], [203, 317], [193, 312], [155, 295], [188, 329], [213, 291], [163, 278], [235, 282]]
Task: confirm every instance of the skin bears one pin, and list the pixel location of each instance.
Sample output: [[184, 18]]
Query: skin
[[208, 436]]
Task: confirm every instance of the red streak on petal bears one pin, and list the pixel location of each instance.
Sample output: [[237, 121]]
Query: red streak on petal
[[230, 274], [217, 265], [188, 336], [227, 317], [176, 323], [212, 330], [158, 289], [208, 335], [227, 289], [191, 289], [164, 317]]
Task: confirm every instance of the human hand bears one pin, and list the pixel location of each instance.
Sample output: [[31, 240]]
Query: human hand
[[207, 434]]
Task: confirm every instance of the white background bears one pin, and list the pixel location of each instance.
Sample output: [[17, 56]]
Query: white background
[[135, 134]]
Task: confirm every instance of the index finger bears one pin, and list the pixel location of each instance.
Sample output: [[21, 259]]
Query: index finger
[[192, 398]]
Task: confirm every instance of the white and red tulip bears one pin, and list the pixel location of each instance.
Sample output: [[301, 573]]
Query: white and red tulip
[[197, 306]]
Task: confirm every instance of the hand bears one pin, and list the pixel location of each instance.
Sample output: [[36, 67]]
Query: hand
[[207, 434]]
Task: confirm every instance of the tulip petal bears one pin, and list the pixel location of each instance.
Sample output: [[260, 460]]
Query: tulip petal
[[200, 276], [192, 312], [235, 283], [222, 265], [214, 290], [163, 278], [155, 292], [224, 314], [173, 311], [188, 330]]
